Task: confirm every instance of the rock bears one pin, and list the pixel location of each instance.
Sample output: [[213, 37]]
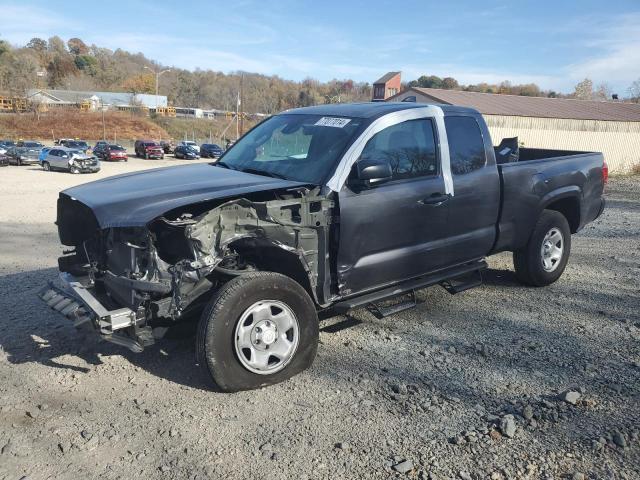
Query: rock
[[508, 426], [165, 468], [403, 467], [578, 476], [173, 432], [86, 434], [399, 388], [571, 397], [465, 475], [343, 446], [618, 439], [527, 412]]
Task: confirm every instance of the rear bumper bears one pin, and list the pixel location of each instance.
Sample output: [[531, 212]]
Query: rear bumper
[[74, 299]]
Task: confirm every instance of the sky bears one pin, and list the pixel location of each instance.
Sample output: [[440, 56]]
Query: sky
[[553, 43]]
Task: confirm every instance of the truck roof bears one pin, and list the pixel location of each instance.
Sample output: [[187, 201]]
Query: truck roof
[[371, 109]]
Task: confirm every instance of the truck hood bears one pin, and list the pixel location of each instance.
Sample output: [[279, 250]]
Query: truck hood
[[134, 199]]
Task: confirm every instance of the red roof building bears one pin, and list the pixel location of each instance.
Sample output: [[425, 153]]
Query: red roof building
[[386, 86]]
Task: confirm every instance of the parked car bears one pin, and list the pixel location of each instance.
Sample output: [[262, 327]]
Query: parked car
[[24, 153], [211, 150], [77, 145], [148, 149], [43, 154], [182, 151], [381, 200], [111, 152], [70, 160], [168, 146], [4, 160], [61, 141], [5, 145], [189, 143]]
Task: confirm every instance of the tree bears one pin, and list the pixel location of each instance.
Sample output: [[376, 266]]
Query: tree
[[449, 83], [603, 92], [142, 83], [77, 46], [37, 44], [584, 90], [634, 91]]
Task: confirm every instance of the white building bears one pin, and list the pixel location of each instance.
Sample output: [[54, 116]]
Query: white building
[[612, 128], [97, 99]]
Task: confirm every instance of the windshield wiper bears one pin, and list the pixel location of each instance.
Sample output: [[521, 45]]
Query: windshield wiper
[[266, 174]]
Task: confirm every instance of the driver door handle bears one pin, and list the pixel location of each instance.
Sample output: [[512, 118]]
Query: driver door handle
[[435, 199]]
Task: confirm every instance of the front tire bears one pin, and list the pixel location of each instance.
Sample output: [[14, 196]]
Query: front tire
[[543, 260], [260, 328]]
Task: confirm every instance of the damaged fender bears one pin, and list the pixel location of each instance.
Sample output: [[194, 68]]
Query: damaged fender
[[297, 225]]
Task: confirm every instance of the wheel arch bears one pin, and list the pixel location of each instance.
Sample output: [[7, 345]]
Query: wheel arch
[[271, 257], [568, 204]]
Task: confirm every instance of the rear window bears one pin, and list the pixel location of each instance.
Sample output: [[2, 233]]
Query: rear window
[[466, 147], [32, 144], [151, 144], [116, 147]]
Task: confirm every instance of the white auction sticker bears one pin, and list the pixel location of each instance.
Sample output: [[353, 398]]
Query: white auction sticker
[[333, 122]]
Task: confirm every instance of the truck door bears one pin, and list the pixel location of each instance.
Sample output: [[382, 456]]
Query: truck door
[[395, 230], [473, 210]]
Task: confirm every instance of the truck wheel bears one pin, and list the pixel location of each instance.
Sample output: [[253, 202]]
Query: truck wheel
[[544, 258], [260, 328]]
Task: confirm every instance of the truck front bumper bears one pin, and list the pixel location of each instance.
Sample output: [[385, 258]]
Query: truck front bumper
[[74, 299]]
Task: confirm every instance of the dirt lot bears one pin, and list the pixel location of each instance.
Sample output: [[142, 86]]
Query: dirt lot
[[498, 382]]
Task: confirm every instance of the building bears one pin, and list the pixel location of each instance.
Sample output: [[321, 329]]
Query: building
[[95, 100], [386, 86], [612, 128]]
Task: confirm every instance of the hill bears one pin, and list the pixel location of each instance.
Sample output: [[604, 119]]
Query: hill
[[74, 124]]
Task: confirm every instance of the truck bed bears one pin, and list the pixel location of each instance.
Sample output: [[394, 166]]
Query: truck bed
[[567, 181]]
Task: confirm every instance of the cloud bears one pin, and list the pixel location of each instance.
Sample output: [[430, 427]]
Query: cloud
[[21, 23], [615, 43]]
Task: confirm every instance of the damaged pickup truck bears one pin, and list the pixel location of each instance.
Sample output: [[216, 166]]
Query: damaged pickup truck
[[315, 210]]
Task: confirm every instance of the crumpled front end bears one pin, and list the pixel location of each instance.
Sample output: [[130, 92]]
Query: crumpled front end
[[129, 283]]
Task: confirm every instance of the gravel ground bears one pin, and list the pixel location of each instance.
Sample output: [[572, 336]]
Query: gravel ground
[[502, 381]]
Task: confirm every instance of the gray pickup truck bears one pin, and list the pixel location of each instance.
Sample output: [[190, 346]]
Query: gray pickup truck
[[314, 211]]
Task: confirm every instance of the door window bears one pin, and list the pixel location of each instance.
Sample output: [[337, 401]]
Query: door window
[[466, 147], [410, 148]]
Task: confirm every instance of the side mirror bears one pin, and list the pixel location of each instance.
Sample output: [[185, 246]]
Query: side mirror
[[372, 171]]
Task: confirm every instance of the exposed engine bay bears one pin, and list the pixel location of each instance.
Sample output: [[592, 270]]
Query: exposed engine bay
[[161, 271]]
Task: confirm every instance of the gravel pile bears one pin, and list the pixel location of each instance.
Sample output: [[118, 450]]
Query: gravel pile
[[500, 382]]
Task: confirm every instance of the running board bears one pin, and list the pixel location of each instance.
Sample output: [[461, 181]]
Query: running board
[[460, 284], [381, 312], [407, 286]]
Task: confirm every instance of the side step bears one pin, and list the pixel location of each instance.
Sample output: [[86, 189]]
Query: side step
[[460, 284], [381, 312]]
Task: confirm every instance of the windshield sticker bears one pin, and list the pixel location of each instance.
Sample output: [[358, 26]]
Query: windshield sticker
[[332, 122]]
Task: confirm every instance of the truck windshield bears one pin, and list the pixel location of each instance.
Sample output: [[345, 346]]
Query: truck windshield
[[295, 147]]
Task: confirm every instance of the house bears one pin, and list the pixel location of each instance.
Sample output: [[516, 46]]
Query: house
[[386, 86], [612, 128], [95, 100]]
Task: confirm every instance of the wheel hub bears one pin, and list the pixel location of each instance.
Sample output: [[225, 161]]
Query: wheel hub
[[552, 250], [267, 336], [264, 334]]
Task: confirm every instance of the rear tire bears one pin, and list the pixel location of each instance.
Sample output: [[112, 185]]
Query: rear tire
[[245, 318], [543, 260]]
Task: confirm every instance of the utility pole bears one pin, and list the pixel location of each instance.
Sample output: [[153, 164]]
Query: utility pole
[[241, 101], [157, 74]]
